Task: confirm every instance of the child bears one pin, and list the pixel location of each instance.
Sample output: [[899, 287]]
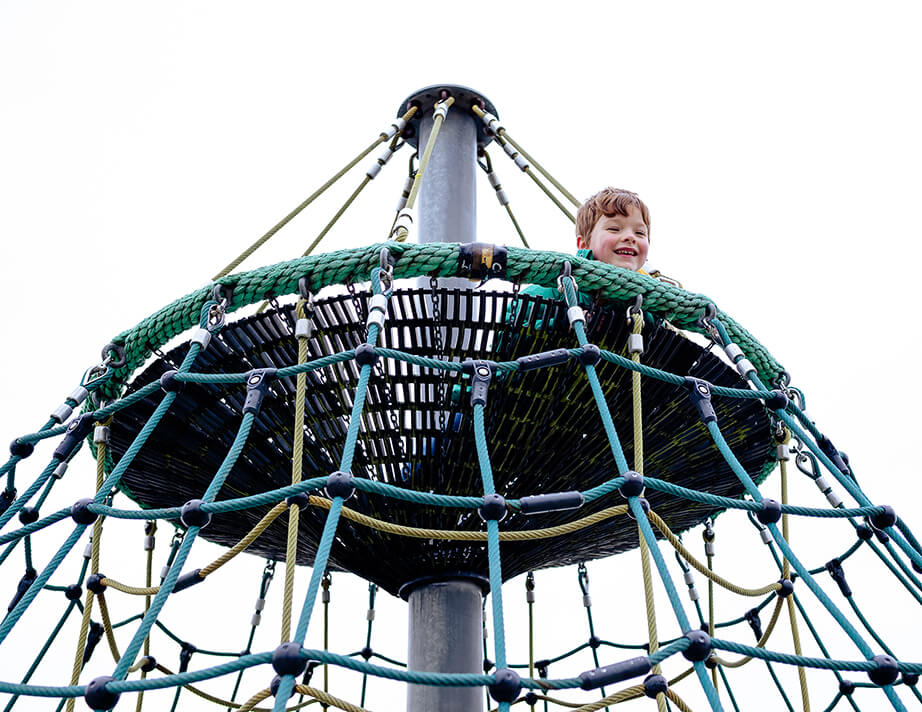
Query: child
[[613, 226]]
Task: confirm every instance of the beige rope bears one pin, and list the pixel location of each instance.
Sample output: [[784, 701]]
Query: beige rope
[[316, 194], [297, 456], [719, 580], [762, 641]]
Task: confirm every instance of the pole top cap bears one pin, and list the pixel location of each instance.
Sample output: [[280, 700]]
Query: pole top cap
[[426, 99]]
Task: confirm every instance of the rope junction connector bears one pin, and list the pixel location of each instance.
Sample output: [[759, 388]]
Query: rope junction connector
[[493, 508], [482, 374], [188, 579], [97, 696], [192, 514], [616, 672], [886, 672], [80, 511], [551, 502], [258, 381], [543, 359], [654, 685], [837, 573], [76, 432], [507, 685], [699, 648], [700, 394], [339, 484]]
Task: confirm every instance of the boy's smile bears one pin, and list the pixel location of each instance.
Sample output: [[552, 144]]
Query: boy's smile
[[619, 240]]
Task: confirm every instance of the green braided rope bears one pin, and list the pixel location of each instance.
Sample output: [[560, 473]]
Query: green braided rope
[[437, 259]]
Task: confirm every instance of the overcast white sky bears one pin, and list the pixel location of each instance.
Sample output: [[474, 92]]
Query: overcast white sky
[[144, 145]]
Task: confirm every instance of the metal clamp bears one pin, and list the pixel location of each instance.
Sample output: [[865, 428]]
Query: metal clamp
[[566, 271]]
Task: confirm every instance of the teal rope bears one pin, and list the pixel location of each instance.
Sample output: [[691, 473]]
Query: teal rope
[[673, 595], [166, 587], [593, 377], [493, 554], [36, 485]]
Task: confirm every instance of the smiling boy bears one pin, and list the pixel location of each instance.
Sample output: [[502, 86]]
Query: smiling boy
[[614, 225]]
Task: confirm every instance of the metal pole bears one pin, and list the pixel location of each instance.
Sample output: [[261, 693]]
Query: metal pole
[[445, 636], [445, 616]]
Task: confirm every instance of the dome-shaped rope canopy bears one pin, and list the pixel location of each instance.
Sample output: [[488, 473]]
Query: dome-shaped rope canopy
[[543, 427]]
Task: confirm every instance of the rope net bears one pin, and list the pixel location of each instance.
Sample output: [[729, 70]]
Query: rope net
[[361, 433]]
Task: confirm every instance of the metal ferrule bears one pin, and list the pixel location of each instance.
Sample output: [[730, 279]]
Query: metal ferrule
[[689, 578], [441, 109], [745, 367], [62, 413], [88, 550], [100, 434], [821, 484], [256, 620], [733, 351], [587, 600], [60, 470], [521, 162], [370, 615], [493, 123], [303, 329], [78, 395], [394, 129], [377, 302], [502, 197], [494, 180], [766, 536], [834, 499], [375, 317], [529, 597], [635, 343], [379, 163], [693, 594], [163, 572], [148, 543], [783, 452], [709, 548], [405, 195], [201, 336], [575, 314], [260, 603]]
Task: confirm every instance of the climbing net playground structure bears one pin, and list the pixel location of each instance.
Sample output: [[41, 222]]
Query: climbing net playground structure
[[438, 439]]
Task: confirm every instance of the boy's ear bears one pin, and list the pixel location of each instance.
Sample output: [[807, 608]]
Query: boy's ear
[[581, 243]]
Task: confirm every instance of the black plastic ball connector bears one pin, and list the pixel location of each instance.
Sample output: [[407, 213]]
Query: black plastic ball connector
[[590, 355], [886, 672], [73, 592], [633, 484], [910, 679], [777, 401], [287, 660], [864, 532], [493, 508], [654, 685], [787, 588], [149, 664], [339, 484], [507, 687], [28, 515], [710, 663], [644, 505], [95, 584], [168, 382], [21, 450], [366, 355], [531, 698], [274, 687], [6, 499], [301, 499], [884, 519], [847, 687], [192, 514], [700, 647], [98, 697], [80, 511], [770, 512], [366, 653]]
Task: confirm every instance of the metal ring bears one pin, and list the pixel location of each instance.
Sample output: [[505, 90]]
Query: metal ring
[[119, 351], [304, 288], [221, 296]]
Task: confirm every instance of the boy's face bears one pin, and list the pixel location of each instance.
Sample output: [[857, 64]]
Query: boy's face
[[619, 240]]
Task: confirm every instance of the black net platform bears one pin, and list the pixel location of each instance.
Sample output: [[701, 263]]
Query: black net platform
[[543, 428]]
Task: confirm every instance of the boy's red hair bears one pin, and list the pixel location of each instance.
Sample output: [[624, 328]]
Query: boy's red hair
[[608, 201]]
